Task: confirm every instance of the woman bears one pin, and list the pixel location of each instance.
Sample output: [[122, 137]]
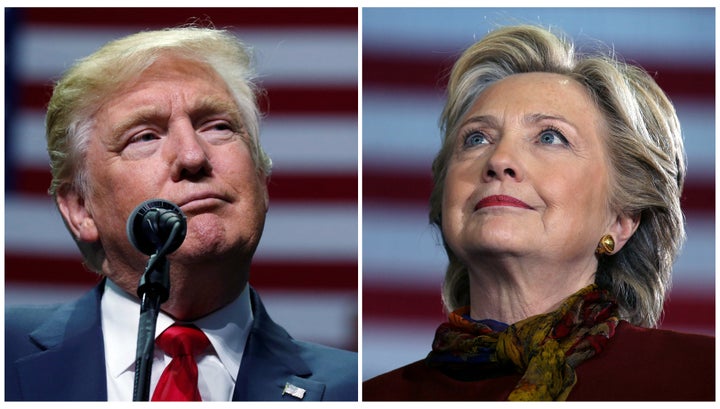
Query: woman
[[557, 192]]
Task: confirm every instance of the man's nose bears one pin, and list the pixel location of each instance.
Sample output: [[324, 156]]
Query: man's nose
[[187, 153]]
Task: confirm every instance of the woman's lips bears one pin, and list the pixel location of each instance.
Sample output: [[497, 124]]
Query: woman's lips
[[501, 200]]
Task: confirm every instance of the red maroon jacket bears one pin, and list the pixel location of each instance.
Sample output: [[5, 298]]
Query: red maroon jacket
[[637, 364]]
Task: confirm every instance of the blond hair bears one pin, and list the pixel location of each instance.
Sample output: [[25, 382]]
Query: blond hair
[[644, 146]]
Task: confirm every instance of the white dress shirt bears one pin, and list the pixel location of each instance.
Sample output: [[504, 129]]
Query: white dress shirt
[[227, 329]]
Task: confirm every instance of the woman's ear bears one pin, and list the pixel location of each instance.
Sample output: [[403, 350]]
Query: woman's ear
[[76, 215], [623, 228]]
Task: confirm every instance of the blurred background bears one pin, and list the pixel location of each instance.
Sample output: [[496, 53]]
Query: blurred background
[[406, 56], [306, 266]]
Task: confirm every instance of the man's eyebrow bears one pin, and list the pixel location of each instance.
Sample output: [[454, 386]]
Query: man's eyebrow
[[211, 105], [206, 106], [142, 115]]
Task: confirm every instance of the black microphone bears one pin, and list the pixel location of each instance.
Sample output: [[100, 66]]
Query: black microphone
[[157, 225]]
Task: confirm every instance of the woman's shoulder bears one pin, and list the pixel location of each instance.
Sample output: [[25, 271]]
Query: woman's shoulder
[[637, 364], [392, 385], [418, 381], [650, 364], [662, 340]]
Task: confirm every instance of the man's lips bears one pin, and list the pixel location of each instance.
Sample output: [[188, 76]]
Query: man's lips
[[200, 200], [501, 200]]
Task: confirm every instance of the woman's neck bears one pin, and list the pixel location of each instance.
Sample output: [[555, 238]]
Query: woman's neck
[[512, 290]]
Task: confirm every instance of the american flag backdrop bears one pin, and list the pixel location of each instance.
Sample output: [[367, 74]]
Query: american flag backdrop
[[406, 55], [306, 266]]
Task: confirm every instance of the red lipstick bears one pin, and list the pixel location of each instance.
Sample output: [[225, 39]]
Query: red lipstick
[[501, 200]]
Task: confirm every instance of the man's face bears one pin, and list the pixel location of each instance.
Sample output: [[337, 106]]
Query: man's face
[[175, 134]]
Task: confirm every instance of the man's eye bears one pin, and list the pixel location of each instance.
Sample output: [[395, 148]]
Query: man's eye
[[143, 137], [222, 126], [219, 126]]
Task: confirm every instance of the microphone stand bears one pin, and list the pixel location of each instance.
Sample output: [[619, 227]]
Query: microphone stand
[[154, 286], [153, 290]]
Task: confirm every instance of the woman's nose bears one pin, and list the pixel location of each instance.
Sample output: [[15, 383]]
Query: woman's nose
[[504, 162]]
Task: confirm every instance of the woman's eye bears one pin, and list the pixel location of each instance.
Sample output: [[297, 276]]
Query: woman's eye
[[552, 137], [474, 139]]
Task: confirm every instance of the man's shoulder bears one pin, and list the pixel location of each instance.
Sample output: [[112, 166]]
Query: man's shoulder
[[316, 356], [48, 323], [335, 364], [326, 356], [337, 368], [21, 319]]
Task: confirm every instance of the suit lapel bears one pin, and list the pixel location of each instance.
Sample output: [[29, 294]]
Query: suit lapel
[[71, 362], [272, 367]]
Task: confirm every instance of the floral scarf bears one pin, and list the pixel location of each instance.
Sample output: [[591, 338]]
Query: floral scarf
[[546, 348]]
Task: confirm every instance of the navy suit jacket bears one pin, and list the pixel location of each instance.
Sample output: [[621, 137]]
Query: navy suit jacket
[[56, 353]]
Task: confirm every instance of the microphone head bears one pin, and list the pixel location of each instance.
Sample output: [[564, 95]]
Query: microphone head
[[150, 225]]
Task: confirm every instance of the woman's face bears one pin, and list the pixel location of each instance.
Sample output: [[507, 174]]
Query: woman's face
[[528, 175]]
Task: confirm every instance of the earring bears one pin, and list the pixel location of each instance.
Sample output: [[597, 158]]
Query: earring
[[606, 245]]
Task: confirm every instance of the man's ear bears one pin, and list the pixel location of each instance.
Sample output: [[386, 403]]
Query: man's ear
[[76, 215], [264, 181], [623, 228]]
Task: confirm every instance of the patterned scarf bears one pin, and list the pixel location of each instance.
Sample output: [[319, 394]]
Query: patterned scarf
[[546, 348]]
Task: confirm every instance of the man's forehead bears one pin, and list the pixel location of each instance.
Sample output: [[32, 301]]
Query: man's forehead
[[159, 86]]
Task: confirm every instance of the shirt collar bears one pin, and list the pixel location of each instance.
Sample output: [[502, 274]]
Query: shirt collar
[[227, 329]]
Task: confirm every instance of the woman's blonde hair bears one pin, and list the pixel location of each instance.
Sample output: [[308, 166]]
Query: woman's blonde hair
[[644, 146], [94, 80]]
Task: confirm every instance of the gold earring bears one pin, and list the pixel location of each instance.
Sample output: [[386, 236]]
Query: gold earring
[[606, 245]]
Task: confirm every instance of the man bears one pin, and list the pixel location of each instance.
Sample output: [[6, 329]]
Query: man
[[165, 114]]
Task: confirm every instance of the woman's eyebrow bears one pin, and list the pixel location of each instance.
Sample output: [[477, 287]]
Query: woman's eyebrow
[[488, 120], [531, 119], [540, 117]]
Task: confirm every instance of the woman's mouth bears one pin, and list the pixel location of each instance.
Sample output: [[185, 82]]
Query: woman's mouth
[[501, 200]]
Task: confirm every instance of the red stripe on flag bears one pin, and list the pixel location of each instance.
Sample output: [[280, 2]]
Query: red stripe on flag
[[314, 187], [323, 99], [272, 18], [430, 73], [405, 304], [276, 275], [405, 186], [306, 187], [396, 185]]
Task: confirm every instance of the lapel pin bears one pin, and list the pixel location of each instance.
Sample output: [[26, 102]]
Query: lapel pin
[[294, 391]]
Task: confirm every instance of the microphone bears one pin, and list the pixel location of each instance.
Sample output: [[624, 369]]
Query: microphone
[[157, 226]]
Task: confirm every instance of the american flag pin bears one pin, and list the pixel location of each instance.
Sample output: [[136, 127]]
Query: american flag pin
[[293, 390]]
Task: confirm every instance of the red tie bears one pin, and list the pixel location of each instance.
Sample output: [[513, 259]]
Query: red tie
[[178, 381]]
